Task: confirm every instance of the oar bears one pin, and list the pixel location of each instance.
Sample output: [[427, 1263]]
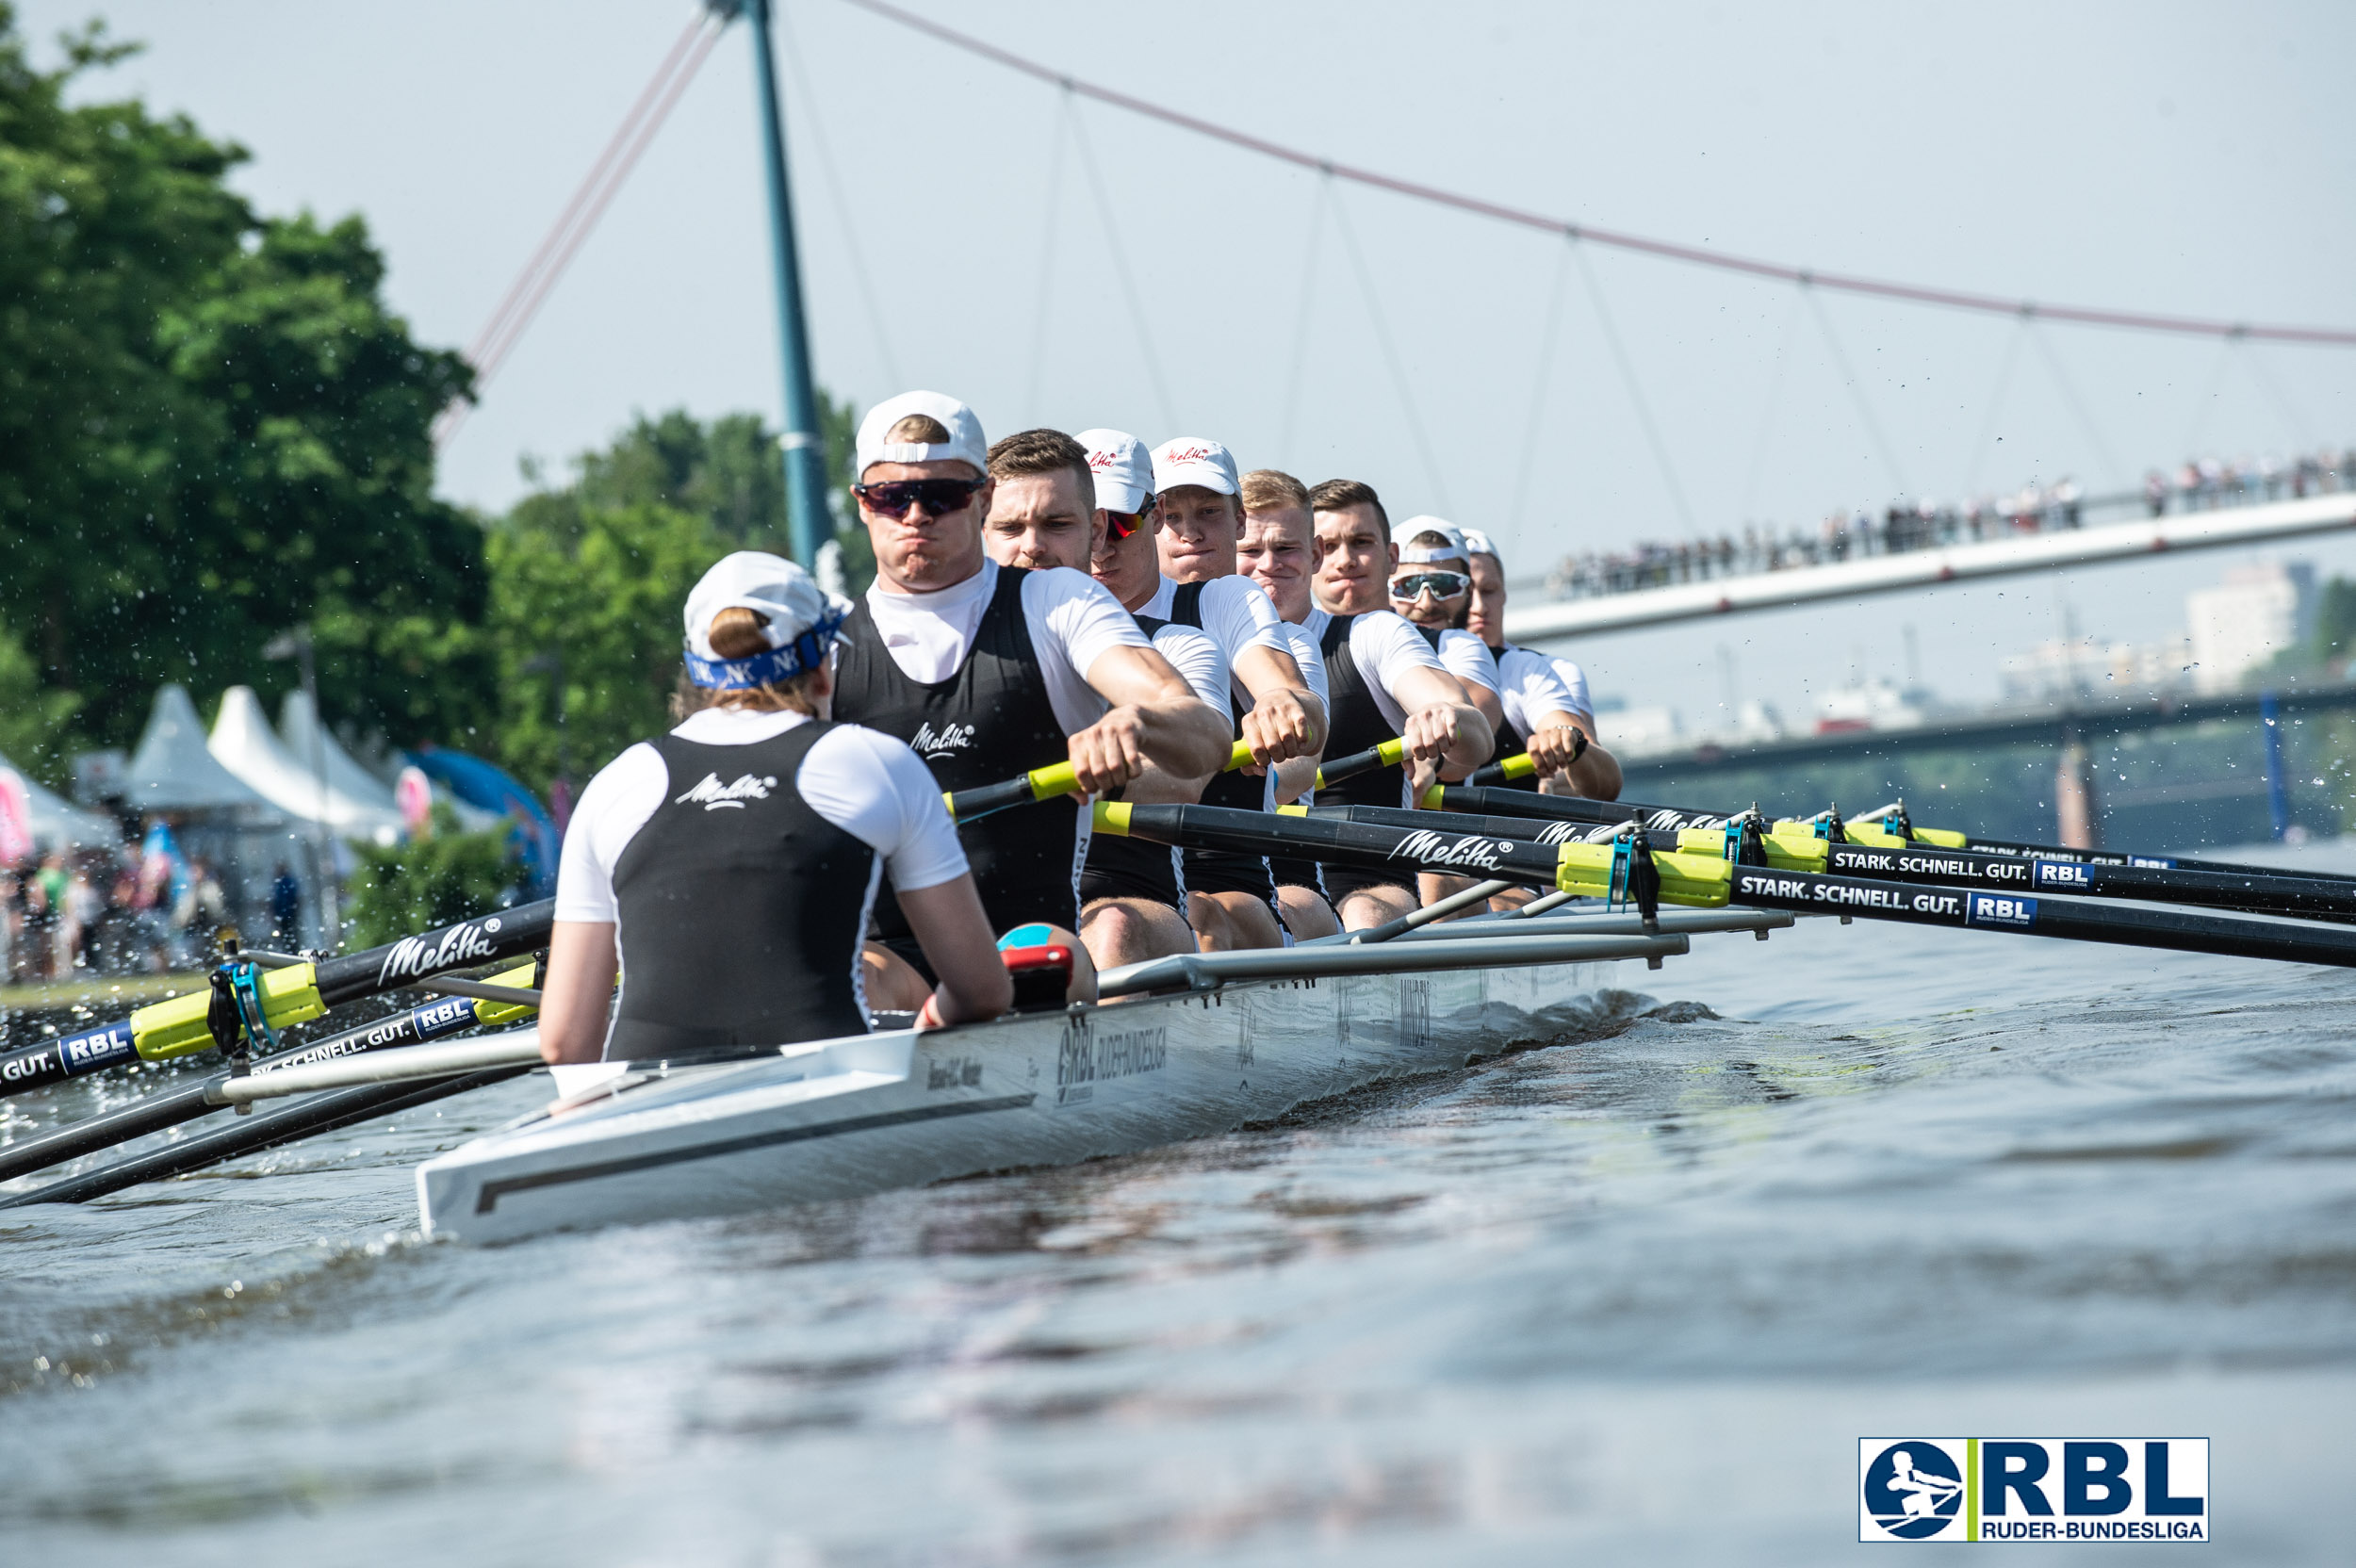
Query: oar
[[1388, 755], [172, 1107], [1629, 870], [1890, 821], [1796, 846], [323, 1113], [1503, 771], [282, 996], [1042, 784]]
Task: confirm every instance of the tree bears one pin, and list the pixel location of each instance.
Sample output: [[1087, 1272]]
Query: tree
[[211, 429], [438, 878]]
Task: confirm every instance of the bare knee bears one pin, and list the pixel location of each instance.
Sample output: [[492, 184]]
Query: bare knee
[[1226, 923], [891, 982], [1306, 916], [1130, 931]]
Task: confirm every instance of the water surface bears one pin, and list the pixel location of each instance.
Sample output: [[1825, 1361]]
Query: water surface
[[1633, 1296]]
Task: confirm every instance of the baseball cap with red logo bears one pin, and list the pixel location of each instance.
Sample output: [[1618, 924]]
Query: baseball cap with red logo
[[1124, 474], [1192, 460]]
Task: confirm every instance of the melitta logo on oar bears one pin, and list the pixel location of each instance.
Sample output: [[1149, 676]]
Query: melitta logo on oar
[[2033, 1489], [437, 950], [1427, 848]]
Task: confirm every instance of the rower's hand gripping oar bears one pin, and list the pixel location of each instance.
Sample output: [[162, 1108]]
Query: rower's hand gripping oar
[[259, 1000], [1042, 784]]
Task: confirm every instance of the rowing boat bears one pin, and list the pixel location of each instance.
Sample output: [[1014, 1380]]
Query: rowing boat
[[841, 1118]]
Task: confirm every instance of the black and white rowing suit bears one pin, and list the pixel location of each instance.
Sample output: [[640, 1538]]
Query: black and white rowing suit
[[1137, 867], [987, 680], [1365, 655], [737, 859], [1292, 871], [1529, 685], [1236, 613]]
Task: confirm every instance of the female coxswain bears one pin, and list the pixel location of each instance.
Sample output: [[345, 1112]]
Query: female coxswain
[[729, 868]]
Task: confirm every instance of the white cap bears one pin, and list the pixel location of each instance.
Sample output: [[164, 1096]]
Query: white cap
[[773, 587], [1479, 544], [1409, 551], [1124, 469], [966, 443], [1192, 460]]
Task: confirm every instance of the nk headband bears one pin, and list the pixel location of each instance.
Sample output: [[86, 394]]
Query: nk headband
[[766, 669]]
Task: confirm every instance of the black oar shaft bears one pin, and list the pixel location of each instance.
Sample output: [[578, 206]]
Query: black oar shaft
[[1700, 879], [172, 1107], [503, 933], [1959, 868], [323, 1113]]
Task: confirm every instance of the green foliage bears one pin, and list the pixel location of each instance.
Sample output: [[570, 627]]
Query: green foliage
[[32, 716], [2334, 637], [211, 429], [445, 876], [593, 592]]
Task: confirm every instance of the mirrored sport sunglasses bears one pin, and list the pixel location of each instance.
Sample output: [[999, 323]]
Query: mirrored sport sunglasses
[[1444, 585], [1121, 525], [939, 496]]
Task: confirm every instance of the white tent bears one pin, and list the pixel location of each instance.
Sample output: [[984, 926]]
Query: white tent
[[57, 823], [243, 741], [299, 726], [172, 770]]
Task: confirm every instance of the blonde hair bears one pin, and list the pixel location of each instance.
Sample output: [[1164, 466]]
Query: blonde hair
[[737, 633], [919, 429], [1269, 489]]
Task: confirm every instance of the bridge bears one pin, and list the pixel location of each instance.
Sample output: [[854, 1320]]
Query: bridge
[[2078, 740], [1932, 567]]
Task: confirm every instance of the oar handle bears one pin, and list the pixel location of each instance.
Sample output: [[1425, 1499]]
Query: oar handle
[[1505, 770], [1041, 784], [1388, 755]]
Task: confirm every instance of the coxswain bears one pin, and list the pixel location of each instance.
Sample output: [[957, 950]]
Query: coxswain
[[728, 868], [1277, 552], [1182, 569], [1591, 771], [989, 672], [1048, 509], [1387, 683]]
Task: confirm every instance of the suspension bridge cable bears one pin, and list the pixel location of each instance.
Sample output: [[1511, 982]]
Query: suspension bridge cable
[[2078, 406], [1774, 395], [1390, 352], [2200, 410], [1635, 389], [815, 123], [524, 297], [1995, 405], [1856, 391], [1301, 318], [1724, 261], [1548, 339], [2298, 428], [1121, 265], [1042, 315]]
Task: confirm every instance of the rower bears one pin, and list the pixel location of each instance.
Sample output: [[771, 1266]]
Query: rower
[[1593, 771], [1390, 684], [1275, 551], [1182, 569], [989, 672], [716, 864], [1430, 585], [1047, 509]]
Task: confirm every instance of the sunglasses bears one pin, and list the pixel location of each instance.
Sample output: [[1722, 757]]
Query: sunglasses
[[1121, 525], [939, 496], [1444, 585]]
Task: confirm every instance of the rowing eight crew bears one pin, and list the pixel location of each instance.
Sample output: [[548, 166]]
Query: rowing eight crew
[[983, 649]]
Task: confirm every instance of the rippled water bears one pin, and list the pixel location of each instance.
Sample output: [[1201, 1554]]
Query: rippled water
[[1633, 1296]]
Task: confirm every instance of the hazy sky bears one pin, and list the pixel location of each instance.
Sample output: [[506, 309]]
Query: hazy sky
[[2161, 157]]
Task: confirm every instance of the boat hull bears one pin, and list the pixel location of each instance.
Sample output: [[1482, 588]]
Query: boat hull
[[840, 1119]]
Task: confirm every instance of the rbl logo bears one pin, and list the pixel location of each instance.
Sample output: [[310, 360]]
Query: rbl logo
[[2063, 874], [2033, 1489]]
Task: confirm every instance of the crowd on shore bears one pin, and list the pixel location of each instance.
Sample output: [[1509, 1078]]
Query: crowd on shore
[[2198, 484], [141, 906]]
